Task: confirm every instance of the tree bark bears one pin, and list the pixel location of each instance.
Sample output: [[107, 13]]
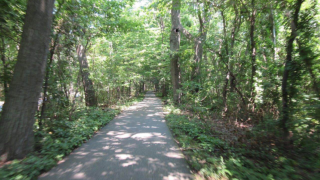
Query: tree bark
[[174, 47], [284, 86], [90, 96], [17, 120]]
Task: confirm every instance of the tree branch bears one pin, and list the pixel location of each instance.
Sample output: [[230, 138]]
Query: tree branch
[[186, 33]]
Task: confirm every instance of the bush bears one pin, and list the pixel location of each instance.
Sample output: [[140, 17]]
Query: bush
[[213, 158]]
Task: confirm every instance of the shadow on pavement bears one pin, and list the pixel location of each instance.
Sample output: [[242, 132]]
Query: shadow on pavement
[[137, 144]]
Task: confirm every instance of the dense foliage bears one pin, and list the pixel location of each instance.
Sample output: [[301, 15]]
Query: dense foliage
[[245, 90], [211, 152]]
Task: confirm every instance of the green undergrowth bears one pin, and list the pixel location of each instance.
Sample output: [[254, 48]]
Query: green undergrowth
[[212, 158], [59, 138]]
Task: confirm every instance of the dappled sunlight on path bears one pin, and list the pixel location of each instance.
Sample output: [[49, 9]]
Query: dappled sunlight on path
[[137, 144]]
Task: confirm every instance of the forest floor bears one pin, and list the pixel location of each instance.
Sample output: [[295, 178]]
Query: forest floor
[[137, 144], [217, 149]]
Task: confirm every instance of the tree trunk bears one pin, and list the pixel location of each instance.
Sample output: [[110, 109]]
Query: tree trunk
[[162, 26], [174, 47], [198, 49], [123, 93], [156, 85], [223, 58], [236, 27], [48, 71], [140, 87], [228, 57], [118, 93], [273, 29], [129, 89], [46, 80], [60, 75], [284, 86], [90, 96], [253, 53], [137, 88], [164, 89], [143, 87], [198, 46], [17, 120]]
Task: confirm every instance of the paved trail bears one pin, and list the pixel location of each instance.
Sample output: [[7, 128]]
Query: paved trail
[[136, 145]]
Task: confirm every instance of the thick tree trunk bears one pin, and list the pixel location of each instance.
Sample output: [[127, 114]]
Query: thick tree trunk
[[174, 47], [284, 88], [17, 120], [90, 96]]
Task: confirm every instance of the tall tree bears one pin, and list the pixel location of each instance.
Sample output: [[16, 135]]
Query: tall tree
[[199, 41], [253, 52], [286, 72], [174, 47], [17, 120], [89, 91]]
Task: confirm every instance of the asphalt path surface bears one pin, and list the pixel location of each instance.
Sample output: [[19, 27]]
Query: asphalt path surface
[[136, 145]]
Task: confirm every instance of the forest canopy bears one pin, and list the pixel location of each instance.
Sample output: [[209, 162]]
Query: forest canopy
[[240, 78]]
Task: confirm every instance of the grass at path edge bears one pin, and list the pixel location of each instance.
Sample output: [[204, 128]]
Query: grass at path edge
[[60, 139], [211, 158]]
